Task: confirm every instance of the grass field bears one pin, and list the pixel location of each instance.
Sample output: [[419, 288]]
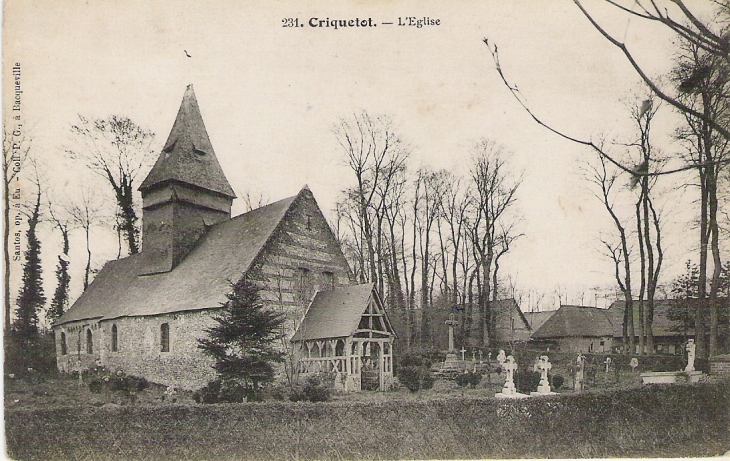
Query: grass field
[[668, 421]]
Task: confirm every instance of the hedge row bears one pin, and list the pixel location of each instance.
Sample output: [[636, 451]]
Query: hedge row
[[655, 421]]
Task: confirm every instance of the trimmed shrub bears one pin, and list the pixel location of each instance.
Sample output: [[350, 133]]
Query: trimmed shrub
[[469, 379], [557, 381], [316, 389], [416, 378], [527, 381], [208, 393]]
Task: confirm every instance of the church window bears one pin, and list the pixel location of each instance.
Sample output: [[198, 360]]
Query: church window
[[165, 337], [328, 281], [309, 222], [303, 286], [115, 339], [89, 342], [63, 344]]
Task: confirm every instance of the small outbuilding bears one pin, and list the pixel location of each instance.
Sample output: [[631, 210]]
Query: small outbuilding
[[346, 332]]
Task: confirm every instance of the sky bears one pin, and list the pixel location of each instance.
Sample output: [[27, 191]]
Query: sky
[[270, 95]]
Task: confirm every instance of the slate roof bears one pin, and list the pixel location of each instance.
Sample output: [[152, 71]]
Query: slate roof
[[188, 155], [200, 281], [576, 321], [536, 319], [661, 325], [335, 313]]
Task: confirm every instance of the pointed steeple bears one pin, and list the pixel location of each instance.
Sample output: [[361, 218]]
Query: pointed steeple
[[184, 194], [188, 155]]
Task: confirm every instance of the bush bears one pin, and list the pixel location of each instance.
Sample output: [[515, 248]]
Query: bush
[[469, 379], [208, 393], [527, 381], [416, 378], [29, 356], [228, 391], [557, 381], [316, 389]]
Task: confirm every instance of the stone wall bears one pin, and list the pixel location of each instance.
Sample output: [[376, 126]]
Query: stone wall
[[139, 348]]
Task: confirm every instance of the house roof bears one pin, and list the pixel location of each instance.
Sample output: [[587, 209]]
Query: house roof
[[336, 313], [661, 324], [224, 253], [536, 319], [576, 321], [188, 155]]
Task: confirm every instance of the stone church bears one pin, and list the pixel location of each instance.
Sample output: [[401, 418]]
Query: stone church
[[144, 314]]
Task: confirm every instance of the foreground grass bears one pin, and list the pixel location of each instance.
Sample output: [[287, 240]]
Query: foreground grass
[[657, 421]]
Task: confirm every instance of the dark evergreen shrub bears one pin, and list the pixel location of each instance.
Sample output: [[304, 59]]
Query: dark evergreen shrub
[[469, 379], [557, 381], [527, 381], [96, 386], [416, 378], [209, 393], [316, 389]]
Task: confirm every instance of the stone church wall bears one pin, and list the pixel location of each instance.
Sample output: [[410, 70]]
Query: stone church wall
[[139, 348]]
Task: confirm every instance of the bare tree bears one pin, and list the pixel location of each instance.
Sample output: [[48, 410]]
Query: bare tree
[[118, 150], [377, 157], [617, 252], [494, 197], [16, 147], [86, 213], [709, 152]]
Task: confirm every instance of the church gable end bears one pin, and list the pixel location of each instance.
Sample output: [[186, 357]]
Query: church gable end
[[301, 257]]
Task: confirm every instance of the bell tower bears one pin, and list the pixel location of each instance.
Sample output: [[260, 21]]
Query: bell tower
[[184, 193]]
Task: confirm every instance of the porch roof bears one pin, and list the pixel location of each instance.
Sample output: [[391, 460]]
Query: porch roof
[[336, 313]]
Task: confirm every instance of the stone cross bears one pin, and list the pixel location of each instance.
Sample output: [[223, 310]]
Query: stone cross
[[634, 364], [463, 351], [501, 357], [473, 355], [690, 355], [544, 366], [579, 373], [608, 363], [451, 323], [509, 367]]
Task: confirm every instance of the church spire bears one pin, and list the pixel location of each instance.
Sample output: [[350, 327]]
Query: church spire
[[184, 194], [188, 155]]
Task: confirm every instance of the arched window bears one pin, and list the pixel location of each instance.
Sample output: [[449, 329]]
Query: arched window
[[89, 342], [63, 344], [165, 337], [115, 339]]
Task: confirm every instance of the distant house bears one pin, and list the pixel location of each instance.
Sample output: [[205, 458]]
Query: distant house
[[511, 323], [576, 329], [536, 319], [346, 332], [669, 336]]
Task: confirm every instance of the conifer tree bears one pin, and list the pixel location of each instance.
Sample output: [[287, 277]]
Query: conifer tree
[[243, 341], [31, 298], [63, 278]]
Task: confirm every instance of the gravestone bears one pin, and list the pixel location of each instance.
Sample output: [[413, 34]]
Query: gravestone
[[544, 366], [579, 373], [690, 348], [509, 391], [501, 357]]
